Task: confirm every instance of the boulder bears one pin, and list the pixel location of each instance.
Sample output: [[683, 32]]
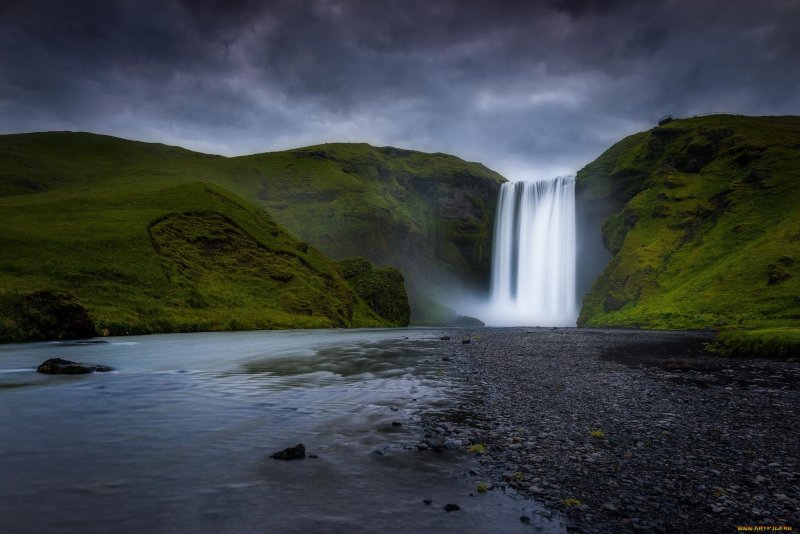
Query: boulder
[[291, 453], [59, 366]]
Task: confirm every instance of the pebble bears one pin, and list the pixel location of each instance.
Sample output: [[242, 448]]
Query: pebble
[[674, 437], [452, 444]]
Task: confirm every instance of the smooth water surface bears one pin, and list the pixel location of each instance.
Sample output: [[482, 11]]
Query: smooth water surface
[[178, 438]]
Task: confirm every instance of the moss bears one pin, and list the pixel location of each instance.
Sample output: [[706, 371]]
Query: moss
[[186, 258], [477, 448], [382, 288], [761, 343], [43, 315], [701, 218], [58, 189]]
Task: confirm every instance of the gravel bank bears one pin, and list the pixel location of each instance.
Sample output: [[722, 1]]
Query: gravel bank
[[628, 431]]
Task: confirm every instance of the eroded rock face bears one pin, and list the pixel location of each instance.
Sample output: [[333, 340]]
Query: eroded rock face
[[59, 366]]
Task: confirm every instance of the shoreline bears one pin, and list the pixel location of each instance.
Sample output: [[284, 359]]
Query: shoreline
[[630, 430]]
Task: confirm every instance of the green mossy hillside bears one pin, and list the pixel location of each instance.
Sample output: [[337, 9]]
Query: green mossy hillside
[[702, 216], [142, 256], [381, 288], [765, 343], [43, 315], [430, 215]]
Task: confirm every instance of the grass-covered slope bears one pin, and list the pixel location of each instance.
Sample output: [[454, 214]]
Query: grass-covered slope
[[703, 221], [148, 240], [430, 215]]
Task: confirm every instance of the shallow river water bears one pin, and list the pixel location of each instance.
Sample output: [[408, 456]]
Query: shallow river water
[[178, 437]]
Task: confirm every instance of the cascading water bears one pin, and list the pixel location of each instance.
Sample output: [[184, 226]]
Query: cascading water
[[533, 268]]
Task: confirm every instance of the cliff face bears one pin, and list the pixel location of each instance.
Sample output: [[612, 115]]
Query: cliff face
[[701, 219]]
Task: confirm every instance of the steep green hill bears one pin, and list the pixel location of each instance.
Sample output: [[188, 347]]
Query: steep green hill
[[702, 217], [146, 253], [158, 238], [430, 215]]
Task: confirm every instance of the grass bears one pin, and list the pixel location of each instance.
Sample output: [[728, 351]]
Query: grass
[[150, 256], [477, 448], [75, 208], [702, 218], [435, 212], [764, 343]]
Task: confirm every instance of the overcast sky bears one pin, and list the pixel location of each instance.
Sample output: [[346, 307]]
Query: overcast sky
[[531, 89]]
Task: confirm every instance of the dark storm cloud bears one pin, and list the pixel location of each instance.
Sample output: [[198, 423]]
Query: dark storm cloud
[[528, 88]]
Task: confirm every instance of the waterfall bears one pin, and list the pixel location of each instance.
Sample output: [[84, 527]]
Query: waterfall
[[533, 267]]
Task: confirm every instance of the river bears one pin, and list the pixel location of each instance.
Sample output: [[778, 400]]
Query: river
[[178, 438]]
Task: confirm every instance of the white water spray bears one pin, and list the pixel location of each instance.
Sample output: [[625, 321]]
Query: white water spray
[[533, 268]]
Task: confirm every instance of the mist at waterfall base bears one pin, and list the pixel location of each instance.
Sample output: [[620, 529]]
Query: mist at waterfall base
[[534, 256]]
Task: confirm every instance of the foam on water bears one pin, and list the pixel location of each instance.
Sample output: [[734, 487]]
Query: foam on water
[[533, 265]]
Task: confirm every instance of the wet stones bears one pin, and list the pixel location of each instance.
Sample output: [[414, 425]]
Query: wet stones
[[689, 444]]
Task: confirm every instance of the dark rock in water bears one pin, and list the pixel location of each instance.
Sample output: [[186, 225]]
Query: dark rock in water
[[525, 520], [428, 502], [397, 423], [451, 507], [291, 453], [465, 341], [59, 366], [445, 338], [446, 359], [312, 456], [466, 320]]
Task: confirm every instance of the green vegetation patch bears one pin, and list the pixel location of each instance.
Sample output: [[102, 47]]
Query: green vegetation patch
[[145, 258], [763, 343], [702, 218], [43, 315], [81, 195], [381, 288]]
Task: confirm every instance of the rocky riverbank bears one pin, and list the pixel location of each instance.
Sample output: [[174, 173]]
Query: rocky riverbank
[[628, 431]]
